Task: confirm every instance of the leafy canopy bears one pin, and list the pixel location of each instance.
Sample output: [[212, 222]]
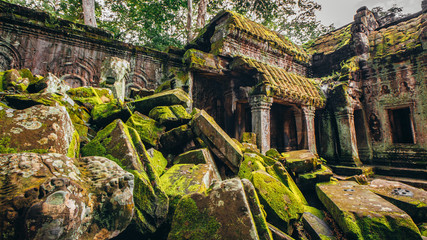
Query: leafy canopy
[[162, 23]]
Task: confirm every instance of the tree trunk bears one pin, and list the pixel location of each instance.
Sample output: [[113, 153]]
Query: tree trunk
[[201, 13], [89, 12], [189, 20]]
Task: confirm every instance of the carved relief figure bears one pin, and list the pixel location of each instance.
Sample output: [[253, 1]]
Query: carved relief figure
[[375, 127]]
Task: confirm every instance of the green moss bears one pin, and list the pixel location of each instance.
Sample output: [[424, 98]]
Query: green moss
[[103, 111], [251, 162], [74, 148], [96, 147], [162, 114], [4, 146], [190, 222], [147, 128], [280, 203]]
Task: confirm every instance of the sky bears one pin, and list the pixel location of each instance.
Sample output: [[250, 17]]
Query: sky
[[341, 12]]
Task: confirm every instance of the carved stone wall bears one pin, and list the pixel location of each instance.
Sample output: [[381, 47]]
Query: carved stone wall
[[75, 55]]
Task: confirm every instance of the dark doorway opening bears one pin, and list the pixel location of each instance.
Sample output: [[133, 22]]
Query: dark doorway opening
[[401, 125], [283, 134]]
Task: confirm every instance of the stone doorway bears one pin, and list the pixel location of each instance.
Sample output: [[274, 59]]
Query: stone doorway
[[401, 125]]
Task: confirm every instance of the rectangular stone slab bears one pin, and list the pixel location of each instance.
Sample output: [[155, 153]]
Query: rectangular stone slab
[[166, 98], [219, 141], [361, 214], [410, 199]]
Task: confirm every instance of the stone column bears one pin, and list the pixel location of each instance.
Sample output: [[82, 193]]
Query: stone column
[[309, 113], [260, 108], [347, 137]]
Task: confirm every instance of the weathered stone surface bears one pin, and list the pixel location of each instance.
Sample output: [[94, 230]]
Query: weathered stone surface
[[198, 156], [14, 80], [54, 84], [46, 196], [148, 129], [78, 114], [301, 161], [170, 116], [115, 142], [257, 211], [278, 234], [166, 98], [410, 199], [222, 214], [175, 139], [219, 142], [113, 75], [309, 180], [362, 214], [151, 202], [39, 129], [282, 206], [157, 160], [182, 179], [90, 96], [104, 114], [316, 227]]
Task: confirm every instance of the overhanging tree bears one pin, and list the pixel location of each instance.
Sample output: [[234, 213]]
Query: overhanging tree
[[162, 23]]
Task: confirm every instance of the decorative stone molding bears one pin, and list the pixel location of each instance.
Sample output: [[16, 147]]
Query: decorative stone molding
[[261, 102]]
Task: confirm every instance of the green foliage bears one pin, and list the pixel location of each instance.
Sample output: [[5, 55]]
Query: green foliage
[[162, 23]]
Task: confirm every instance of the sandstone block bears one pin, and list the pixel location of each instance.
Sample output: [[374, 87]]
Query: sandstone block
[[362, 214], [219, 142], [46, 196]]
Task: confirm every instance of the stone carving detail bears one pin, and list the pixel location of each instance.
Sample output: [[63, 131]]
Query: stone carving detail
[[375, 127], [114, 74], [9, 56], [79, 72]]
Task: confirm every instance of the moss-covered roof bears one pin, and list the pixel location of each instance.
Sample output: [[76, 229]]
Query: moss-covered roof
[[284, 85], [237, 24], [330, 42], [397, 38]]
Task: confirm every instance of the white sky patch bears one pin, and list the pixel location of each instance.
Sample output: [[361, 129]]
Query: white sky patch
[[341, 12]]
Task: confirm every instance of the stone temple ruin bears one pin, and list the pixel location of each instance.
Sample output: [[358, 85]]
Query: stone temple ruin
[[141, 144]]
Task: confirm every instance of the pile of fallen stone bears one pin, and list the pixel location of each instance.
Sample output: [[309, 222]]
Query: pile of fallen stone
[[81, 163]]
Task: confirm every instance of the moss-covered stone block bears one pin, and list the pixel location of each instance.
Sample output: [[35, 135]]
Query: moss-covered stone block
[[90, 96], [151, 203], [170, 116], [79, 116], [310, 179], [198, 156], [410, 199], [257, 211], [158, 161], [251, 162], [182, 179], [362, 214], [219, 142], [15, 80], [301, 161], [165, 98], [175, 139], [38, 129], [104, 114], [282, 207], [316, 227], [279, 172], [114, 142], [223, 213], [148, 129], [249, 137]]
